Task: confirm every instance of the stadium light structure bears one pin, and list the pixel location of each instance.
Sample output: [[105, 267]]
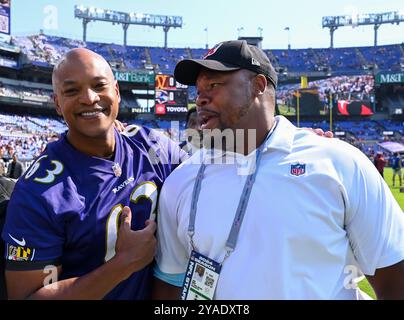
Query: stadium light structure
[[288, 30], [239, 29], [89, 14], [375, 19], [207, 37]]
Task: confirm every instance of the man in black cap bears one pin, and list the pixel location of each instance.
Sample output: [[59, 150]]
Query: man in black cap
[[284, 215]]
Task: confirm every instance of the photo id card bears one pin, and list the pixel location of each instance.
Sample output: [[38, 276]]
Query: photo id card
[[201, 278]]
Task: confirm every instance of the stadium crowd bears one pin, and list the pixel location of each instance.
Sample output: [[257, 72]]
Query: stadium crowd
[[25, 93], [45, 49], [358, 87], [29, 135]]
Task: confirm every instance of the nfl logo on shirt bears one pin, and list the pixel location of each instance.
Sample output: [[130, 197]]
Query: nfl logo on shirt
[[297, 169]]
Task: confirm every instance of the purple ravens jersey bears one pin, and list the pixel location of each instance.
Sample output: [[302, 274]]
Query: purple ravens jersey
[[65, 208]]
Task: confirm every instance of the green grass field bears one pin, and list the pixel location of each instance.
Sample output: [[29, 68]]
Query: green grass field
[[388, 173], [284, 110]]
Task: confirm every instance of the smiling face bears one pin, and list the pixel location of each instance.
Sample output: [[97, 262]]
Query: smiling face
[[86, 95]]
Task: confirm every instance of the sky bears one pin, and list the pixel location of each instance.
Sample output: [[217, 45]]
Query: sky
[[213, 21]]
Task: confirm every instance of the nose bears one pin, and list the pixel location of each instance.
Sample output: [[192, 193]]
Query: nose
[[201, 99], [89, 97]]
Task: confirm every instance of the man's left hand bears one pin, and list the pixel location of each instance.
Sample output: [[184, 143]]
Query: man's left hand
[[320, 132], [120, 126]]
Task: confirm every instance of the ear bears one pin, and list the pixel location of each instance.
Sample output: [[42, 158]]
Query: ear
[[260, 83], [57, 105], [117, 91]]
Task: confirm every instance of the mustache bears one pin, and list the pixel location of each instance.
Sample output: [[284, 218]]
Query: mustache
[[204, 111]]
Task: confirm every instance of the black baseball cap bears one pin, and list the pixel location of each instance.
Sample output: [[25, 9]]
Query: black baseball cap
[[227, 56]]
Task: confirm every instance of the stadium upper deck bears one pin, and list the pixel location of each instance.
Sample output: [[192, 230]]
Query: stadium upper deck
[[46, 50]]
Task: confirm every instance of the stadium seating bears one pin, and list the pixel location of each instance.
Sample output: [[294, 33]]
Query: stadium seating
[[166, 59], [31, 133], [33, 94], [47, 49], [26, 135], [349, 67]]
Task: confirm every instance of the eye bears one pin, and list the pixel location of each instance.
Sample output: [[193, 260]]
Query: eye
[[70, 91], [214, 85], [100, 86], [208, 87]]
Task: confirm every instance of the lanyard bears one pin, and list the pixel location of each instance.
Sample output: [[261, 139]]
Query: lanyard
[[242, 205]]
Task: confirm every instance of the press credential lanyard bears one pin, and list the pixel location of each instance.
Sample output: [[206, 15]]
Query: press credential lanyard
[[242, 205]]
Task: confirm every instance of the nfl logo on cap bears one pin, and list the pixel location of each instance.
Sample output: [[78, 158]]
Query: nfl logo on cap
[[298, 169], [213, 50]]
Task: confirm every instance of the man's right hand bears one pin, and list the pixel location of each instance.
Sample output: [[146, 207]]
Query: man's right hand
[[136, 249]]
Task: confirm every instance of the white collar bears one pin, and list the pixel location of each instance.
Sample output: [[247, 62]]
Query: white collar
[[281, 139]]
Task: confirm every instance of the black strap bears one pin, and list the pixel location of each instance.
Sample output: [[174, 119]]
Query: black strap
[[30, 265]]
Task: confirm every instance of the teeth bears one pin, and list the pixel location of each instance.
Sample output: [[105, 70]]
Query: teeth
[[89, 114]]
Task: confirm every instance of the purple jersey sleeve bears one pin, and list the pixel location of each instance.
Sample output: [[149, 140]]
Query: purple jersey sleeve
[[34, 232]]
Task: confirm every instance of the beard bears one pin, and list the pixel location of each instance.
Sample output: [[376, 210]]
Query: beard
[[227, 134], [228, 140]]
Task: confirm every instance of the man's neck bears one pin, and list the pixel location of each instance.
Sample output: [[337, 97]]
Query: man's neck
[[264, 126], [102, 147]]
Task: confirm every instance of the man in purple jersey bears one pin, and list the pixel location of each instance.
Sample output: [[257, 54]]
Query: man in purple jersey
[[78, 224]]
